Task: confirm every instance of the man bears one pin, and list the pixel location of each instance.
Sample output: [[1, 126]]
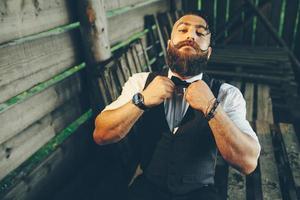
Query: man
[[184, 118]]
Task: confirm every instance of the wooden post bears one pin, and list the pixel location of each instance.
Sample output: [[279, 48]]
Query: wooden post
[[93, 27]]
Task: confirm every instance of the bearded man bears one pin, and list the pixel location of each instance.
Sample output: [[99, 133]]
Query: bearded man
[[184, 117]]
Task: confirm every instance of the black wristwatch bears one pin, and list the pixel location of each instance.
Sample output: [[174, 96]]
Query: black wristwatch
[[138, 100]]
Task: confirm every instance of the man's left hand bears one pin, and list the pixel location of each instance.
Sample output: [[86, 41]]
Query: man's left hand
[[199, 96]]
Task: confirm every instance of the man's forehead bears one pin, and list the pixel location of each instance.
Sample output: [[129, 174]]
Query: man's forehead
[[191, 20]]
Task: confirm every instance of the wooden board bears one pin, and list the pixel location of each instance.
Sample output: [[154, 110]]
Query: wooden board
[[275, 17], [236, 185], [264, 104], [268, 168], [125, 24], [21, 116], [262, 34], [117, 4], [56, 170], [291, 10], [292, 147], [234, 7], [17, 17], [22, 146], [249, 98], [221, 16], [25, 65]]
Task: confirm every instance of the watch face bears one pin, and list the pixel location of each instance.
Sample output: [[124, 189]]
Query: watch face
[[137, 98]]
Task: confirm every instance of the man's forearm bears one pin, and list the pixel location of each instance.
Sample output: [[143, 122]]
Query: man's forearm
[[112, 125], [237, 148]]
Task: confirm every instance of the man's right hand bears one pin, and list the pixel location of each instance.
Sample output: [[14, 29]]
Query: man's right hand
[[158, 90]]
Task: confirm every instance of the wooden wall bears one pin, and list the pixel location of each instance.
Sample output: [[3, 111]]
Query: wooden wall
[[284, 15], [45, 116]]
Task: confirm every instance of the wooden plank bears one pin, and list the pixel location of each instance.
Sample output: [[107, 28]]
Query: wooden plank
[[275, 17], [249, 98], [292, 147], [234, 7], [291, 10], [22, 146], [19, 16], [25, 65], [236, 185], [115, 4], [120, 21], [55, 170], [221, 17], [264, 104], [208, 8], [261, 34], [36, 107], [268, 168]]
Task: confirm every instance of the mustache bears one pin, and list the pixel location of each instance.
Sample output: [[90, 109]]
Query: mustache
[[187, 43]]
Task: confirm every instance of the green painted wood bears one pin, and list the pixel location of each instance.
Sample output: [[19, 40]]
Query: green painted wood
[[37, 89], [41, 154]]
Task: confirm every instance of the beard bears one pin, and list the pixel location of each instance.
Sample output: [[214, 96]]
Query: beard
[[186, 64]]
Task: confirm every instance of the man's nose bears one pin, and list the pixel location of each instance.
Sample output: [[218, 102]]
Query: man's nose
[[190, 38]]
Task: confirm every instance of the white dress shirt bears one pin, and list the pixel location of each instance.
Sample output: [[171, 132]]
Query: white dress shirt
[[230, 97]]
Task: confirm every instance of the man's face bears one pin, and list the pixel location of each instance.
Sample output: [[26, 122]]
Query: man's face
[[189, 46]]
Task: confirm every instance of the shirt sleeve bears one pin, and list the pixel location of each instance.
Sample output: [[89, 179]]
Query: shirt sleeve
[[134, 84], [234, 104]]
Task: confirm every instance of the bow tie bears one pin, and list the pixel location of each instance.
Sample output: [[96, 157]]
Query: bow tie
[[178, 82]]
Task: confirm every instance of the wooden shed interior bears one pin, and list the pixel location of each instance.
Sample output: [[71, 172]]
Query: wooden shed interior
[[63, 61]]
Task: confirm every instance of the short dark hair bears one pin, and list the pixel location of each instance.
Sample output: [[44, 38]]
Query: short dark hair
[[207, 19], [201, 14]]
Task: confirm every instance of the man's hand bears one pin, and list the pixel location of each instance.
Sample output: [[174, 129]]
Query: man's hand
[[199, 96], [158, 90]]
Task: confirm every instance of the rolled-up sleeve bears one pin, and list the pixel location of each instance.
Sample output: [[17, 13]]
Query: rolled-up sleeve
[[134, 84]]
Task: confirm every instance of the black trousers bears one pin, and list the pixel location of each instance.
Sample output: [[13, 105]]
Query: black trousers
[[142, 189]]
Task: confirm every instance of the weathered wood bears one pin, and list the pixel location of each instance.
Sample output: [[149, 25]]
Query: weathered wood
[[55, 170], [291, 9], [19, 148], [25, 65], [16, 15], [234, 7], [236, 185], [94, 30], [127, 23], [249, 98], [116, 4], [268, 168], [221, 17], [36, 107], [292, 147], [264, 104], [275, 35], [275, 17], [261, 34]]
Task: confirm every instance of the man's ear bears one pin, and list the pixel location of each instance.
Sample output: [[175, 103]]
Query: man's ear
[[209, 52]]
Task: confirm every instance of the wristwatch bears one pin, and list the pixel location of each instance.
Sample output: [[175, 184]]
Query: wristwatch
[[138, 100]]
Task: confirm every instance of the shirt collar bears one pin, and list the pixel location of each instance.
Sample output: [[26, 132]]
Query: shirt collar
[[190, 80]]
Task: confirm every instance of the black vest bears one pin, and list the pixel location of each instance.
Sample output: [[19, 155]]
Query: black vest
[[180, 162]]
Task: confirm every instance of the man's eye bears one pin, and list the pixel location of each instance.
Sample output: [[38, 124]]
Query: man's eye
[[182, 30], [200, 34]]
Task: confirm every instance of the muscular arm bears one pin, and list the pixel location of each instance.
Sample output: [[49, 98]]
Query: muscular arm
[[236, 147], [113, 125]]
